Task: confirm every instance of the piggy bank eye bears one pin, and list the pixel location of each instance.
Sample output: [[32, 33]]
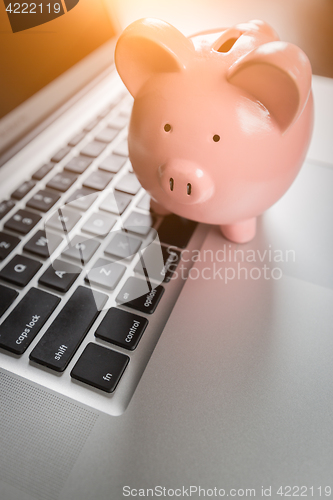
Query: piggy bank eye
[[167, 127], [216, 138]]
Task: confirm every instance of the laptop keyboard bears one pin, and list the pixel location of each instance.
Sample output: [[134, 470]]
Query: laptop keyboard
[[75, 245]]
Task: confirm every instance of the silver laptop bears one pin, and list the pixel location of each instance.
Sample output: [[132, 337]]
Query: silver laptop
[[206, 373]]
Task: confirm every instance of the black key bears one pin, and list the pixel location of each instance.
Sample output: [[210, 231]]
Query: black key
[[122, 148], [93, 149], [176, 231], [116, 202], [98, 180], [78, 164], [60, 154], [62, 181], [63, 220], [82, 198], [123, 245], [118, 97], [107, 135], [7, 297], [128, 184], [23, 221], [139, 223], [122, 328], [104, 113], [41, 245], [60, 276], [107, 110], [76, 139], [43, 171], [60, 342], [112, 163], [144, 203], [7, 244], [20, 270], [91, 125], [126, 110], [23, 190], [159, 262], [137, 294], [106, 274], [5, 207], [99, 224], [100, 367], [81, 249], [26, 320], [43, 200], [118, 122]]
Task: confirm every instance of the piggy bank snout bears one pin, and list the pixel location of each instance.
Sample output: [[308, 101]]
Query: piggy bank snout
[[185, 182]]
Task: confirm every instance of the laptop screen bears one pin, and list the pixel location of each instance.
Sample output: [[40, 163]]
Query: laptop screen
[[33, 58]]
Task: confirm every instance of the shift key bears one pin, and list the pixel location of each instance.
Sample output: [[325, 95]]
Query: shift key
[[60, 342], [25, 321]]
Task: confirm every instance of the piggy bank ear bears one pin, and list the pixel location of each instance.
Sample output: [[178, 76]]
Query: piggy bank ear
[[147, 47], [277, 74]]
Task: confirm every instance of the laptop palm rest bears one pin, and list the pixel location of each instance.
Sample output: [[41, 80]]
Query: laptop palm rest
[[237, 392]]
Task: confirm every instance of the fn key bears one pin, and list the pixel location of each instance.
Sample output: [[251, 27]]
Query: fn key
[[100, 367]]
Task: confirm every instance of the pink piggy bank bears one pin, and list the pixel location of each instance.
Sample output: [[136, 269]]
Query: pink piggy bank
[[221, 121]]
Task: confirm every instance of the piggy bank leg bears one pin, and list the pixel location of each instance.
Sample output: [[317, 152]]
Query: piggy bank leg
[[157, 208], [241, 232]]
